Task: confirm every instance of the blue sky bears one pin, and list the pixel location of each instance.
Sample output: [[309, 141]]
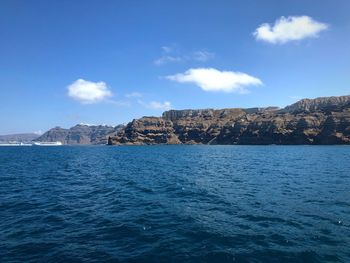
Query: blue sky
[[107, 62]]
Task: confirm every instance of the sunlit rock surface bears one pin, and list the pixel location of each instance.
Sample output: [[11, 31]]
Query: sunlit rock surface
[[308, 121]]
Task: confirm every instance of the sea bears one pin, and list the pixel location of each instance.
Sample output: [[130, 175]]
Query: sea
[[175, 204]]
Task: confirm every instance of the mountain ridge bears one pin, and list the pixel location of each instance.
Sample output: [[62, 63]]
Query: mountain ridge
[[19, 137], [80, 134], [324, 120]]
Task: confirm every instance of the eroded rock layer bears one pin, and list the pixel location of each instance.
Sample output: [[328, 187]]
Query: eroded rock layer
[[309, 121]]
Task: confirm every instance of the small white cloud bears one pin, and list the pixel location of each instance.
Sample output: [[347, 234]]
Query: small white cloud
[[167, 49], [134, 95], [172, 54], [166, 59], [203, 56], [166, 105], [288, 29], [86, 124], [88, 92], [160, 106], [39, 132], [210, 79]]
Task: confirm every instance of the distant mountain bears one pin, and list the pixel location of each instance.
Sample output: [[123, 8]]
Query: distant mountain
[[80, 134], [323, 120], [21, 137]]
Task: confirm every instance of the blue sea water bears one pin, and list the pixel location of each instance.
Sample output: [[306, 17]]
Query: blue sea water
[[175, 204]]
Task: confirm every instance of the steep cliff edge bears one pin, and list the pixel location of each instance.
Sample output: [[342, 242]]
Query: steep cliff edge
[[323, 104], [309, 121], [147, 130]]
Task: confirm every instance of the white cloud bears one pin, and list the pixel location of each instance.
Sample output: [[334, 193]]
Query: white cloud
[[172, 54], [166, 59], [295, 97], [210, 79], [133, 95], [166, 105], [167, 49], [87, 124], [291, 28], [39, 132], [88, 92], [203, 56]]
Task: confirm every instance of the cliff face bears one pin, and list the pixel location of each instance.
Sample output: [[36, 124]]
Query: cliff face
[[80, 134], [324, 104], [147, 130], [21, 137], [317, 121]]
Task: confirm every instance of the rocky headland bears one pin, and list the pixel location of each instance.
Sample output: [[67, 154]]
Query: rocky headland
[[323, 120], [20, 137], [80, 134]]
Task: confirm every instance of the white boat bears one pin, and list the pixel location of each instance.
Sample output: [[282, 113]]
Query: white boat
[[15, 144], [47, 143], [25, 144]]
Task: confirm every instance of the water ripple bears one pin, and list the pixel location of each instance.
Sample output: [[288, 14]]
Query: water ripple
[[175, 204]]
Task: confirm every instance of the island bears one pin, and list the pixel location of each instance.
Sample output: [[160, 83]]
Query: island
[[324, 121]]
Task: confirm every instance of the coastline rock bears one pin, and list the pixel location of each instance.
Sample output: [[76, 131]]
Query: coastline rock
[[147, 130], [19, 137], [323, 104], [80, 134], [309, 121]]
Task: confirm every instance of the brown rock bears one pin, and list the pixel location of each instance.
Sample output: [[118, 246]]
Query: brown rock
[[318, 121]]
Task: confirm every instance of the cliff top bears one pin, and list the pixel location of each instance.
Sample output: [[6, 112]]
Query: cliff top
[[305, 105]]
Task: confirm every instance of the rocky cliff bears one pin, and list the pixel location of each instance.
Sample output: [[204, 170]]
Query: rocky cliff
[[80, 134], [324, 104], [20, 137], [309, 121]]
